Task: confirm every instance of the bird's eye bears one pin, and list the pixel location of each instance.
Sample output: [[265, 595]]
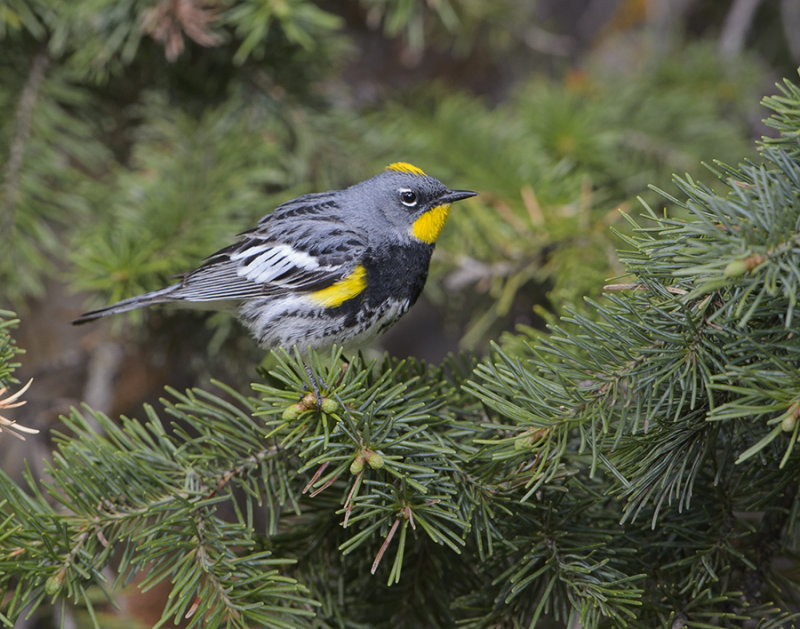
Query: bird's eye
[[408, 197]]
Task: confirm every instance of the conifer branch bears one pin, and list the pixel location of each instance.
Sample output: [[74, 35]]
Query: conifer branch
[[634, 466]]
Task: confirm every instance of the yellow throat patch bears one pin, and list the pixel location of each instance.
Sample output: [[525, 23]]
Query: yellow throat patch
[[338, 293], [428, 226], [405, 167]]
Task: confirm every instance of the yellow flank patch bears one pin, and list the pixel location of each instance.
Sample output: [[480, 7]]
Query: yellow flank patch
[[338, 293], [405, 167], [428, 226]]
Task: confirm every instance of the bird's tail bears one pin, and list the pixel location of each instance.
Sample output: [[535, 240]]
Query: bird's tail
[[140, 301]]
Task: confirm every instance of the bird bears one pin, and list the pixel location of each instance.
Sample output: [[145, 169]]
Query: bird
[[337, 267]]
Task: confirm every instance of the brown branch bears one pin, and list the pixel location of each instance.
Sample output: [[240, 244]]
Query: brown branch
[[738, 23], [229, 474]]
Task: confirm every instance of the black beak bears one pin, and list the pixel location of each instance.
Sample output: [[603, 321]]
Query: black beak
[[456, 195]]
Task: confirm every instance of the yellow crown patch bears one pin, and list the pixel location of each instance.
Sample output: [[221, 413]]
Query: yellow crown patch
[[405, 167]]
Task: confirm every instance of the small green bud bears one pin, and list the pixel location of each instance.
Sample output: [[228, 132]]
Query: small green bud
[[790, 418], [374, 460], [53, 583], [309, 401], [522, 443], [737, 268], [292, 412], [357, 465], [329, 405], [529, 438]]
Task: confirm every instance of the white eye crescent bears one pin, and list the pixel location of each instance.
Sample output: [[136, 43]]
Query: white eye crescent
[[408, 197]]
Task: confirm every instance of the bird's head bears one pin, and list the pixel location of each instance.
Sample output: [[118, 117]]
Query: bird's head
[[414, 204]]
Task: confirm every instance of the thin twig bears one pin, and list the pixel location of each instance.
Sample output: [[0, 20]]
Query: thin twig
[[226, 477], [316, 476], [348, 504], [325, 485], [675, 290], [384, 546]]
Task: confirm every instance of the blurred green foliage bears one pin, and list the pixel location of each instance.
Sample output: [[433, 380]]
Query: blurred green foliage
[[555, 164], [133, 167], [631, 466]]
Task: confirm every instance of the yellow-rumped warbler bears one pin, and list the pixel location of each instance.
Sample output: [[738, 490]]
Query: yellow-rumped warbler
[[333, 267]]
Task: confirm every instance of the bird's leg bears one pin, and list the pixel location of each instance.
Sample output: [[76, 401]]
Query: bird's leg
[[315, 385]]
